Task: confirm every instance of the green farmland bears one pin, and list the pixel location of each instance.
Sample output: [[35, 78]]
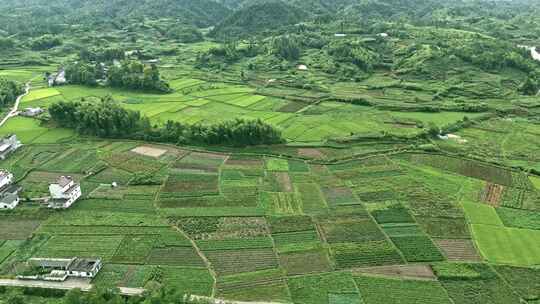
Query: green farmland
[[271, 151], [214, 102], [250, 227]]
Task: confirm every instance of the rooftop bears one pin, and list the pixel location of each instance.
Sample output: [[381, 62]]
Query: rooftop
[[4, 147], [10, 189], [64, 180], [8, 199], [73, 264], [50, 263]]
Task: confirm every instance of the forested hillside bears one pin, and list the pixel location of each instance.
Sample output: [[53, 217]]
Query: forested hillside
[[54, 16], [261, 16]]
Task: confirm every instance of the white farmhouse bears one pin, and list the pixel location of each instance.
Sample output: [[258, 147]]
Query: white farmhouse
[[61, 269], [8, 145], [6, 178], [9, 193], [32, 112], [58, 78], [64, 193]]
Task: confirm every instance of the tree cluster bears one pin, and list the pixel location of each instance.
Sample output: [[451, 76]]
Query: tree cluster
[[102, 55], [103, 119], [45, 42], [354, 52], [238, 132], [9, 90], [286, 47], [135, 75], [531, 86], [185, 34], [229, 52], [128, 74], [108, 119], [493, 55], [6, 43], [83, 73]]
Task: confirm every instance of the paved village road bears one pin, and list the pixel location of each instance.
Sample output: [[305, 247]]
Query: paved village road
[[81, 284], [16, 105], [69, 284]]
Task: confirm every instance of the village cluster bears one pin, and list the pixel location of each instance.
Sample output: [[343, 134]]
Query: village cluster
[[63, 192]]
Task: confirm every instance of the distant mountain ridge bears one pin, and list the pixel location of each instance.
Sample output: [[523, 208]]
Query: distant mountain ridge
[[259, 16], [202, 13]]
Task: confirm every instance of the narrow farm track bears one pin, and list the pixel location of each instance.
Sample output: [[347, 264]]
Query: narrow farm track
[[203, 257], [16, 105], [220, 301]]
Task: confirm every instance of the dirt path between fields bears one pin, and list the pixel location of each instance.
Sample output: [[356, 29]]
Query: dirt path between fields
[[219, 301], [16, 105], [203, 257]]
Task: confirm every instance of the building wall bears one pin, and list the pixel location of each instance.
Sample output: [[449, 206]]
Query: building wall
[[74, 195], [10, 206], [6, 180]]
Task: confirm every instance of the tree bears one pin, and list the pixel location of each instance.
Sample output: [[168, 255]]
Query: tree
[[353, 52], [6, 43], [45, 42], [185, 34], [16, 299], [286, 47], [531, 86], [129, 74], [9, 90], [83, 73], [433, 130], [108, 119], [73, 296]]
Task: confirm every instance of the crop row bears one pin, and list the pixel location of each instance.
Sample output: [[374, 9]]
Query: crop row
[[371, 253], [237, 261]]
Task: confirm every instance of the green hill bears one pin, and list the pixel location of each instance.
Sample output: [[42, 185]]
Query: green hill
[[259, 17], [51, 16]]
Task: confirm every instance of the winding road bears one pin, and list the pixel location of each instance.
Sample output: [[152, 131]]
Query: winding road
[[15, 108]]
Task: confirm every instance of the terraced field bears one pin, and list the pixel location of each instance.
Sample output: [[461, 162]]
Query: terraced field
[[197, 101], [252, 227]]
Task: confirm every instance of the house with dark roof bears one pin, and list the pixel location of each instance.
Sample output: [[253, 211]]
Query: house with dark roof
[[9, 193], [8, 145]]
